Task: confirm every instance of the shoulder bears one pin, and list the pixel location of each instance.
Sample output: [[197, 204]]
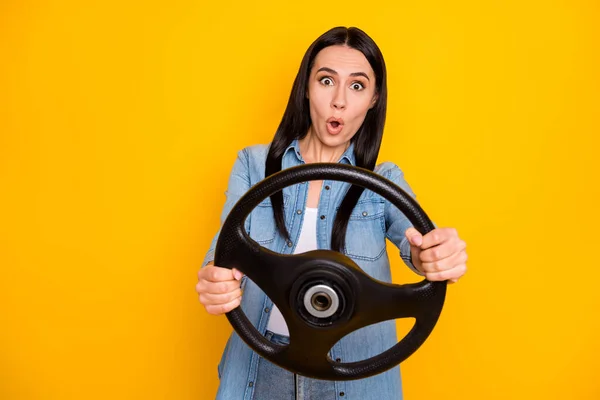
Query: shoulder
[[257, 150], [392, 172], [257, 156], [252, 154], [388, 170], [251, 160]]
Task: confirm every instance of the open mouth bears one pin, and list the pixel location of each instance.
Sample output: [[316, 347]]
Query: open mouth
[[334, 125]]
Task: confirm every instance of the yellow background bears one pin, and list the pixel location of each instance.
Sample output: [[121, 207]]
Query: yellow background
[[120, 121]]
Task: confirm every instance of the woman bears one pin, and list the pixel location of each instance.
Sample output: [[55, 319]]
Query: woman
[[336, 113]]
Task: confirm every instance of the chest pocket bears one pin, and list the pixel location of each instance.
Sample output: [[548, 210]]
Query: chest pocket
[[365, 236], [262, 221]]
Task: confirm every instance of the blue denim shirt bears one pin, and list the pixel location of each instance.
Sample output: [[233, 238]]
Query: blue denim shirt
[[372, 221]]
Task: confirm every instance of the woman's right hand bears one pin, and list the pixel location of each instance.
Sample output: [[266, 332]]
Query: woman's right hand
[[219, 289]]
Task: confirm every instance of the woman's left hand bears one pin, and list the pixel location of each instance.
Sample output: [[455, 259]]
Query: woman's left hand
[[440, 254]]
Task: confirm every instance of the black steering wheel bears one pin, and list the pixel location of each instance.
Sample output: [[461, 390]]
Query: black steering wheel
[[324, 295]]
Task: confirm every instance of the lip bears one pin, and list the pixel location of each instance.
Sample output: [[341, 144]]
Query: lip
[[337, 129], [338, 120]]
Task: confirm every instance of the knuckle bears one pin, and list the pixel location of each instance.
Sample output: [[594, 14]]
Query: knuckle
[[432, 276], [222, 287], [210, 310], [202, 298], [234, 295], [441, 275], [232, 286], [213, 274], [230, 306], [456, 272]]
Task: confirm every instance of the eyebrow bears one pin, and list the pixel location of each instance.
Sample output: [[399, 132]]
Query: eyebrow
[[333, 72]]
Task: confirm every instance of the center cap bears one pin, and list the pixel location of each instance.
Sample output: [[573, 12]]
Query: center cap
[[321, 301]]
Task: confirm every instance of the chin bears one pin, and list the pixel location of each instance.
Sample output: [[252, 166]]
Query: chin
[[334, 140]]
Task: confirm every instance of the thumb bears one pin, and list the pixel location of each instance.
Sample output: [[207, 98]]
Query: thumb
[[237, 274], [414, 237]]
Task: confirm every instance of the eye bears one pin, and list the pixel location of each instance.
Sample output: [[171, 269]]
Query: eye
[[327, 81], [358, 86]]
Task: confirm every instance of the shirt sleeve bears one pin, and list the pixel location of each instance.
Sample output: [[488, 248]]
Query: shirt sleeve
[[239, 184], [396, 222]]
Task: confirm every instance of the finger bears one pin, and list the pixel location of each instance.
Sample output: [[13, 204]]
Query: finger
[[237, 274], [444, 250], [223, 308], [202, 271], [217, 287], [414, 237], [210, 299], [453, 273], [445, 263], [415, 257], [216, 274], [438, 236]]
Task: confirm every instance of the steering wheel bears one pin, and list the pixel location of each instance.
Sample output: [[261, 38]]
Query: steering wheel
[[323, 295]]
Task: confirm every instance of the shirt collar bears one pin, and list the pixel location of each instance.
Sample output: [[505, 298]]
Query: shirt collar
[[348, 155]]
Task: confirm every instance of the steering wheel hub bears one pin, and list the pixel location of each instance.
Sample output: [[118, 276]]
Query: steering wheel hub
[[322, 296]]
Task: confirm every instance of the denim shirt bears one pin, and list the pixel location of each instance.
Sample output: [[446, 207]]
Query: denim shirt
[[372, 221]]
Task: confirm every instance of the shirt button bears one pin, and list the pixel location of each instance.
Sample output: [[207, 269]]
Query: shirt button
[[327, 187], [289, 243], [298, 212], [267, 309], [338, 359], [342, 394], [365, 213], [322, 217], [251, 384]]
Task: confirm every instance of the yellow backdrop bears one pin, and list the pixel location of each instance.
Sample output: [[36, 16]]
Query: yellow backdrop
[[120, 121]]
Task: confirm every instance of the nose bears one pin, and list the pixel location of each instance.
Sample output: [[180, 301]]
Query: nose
[[339, 99]]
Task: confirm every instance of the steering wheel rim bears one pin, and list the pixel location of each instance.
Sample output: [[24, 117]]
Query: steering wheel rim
[[278, 272]]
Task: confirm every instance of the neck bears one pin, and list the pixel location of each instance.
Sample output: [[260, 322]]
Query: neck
[[315, 151]]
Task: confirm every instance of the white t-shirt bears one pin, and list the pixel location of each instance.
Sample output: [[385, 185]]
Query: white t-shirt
[[306, 242]]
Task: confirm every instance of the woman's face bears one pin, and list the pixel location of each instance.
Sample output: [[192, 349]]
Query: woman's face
[[341, 89]]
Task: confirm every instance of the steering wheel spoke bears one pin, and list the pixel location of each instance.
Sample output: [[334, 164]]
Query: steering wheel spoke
[[382, 301], [306, 353]]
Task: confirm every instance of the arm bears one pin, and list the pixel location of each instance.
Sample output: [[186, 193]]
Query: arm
[[220, 289], [396, 222], [439, 255], [239, 184]]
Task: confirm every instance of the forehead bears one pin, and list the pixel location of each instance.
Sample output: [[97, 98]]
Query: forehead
[[344, 60]]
